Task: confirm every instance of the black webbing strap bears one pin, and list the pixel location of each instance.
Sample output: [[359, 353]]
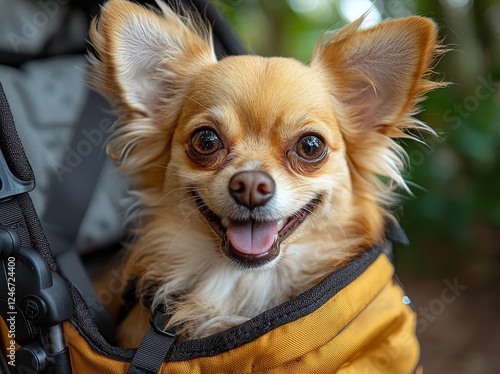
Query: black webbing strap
[[15, 202], [16, 209], [71, 191], [41, 300], [154, 346]]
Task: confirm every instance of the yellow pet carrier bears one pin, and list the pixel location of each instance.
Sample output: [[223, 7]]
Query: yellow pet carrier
[[357, 320]]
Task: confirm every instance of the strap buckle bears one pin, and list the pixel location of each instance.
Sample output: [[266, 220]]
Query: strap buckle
[[155, 346], [159, 320]]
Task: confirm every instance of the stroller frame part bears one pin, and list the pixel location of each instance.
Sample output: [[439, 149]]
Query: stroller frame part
[[34, 299]]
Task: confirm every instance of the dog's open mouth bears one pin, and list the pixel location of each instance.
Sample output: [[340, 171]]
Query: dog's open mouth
[[253, 243]]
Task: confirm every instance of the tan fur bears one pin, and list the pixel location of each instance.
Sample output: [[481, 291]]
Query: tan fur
[[359, 93]]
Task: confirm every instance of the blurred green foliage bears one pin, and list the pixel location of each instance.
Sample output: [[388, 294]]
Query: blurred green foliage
[[453, 220]]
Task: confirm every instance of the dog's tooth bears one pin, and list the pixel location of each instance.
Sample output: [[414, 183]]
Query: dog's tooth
[[225, 222], [280, 224]]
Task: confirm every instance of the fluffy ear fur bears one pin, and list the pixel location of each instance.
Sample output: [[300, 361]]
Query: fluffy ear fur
[[143, 62], [377, 77]]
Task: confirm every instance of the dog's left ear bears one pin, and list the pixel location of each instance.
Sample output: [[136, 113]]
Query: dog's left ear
[[377, 77], [378, 74]]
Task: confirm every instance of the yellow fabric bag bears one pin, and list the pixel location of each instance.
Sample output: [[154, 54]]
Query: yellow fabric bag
[[357, 320]]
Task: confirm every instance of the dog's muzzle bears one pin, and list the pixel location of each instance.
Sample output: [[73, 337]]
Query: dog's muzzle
[[253, 242]]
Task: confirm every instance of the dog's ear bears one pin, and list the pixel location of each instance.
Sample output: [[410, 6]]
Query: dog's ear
[[143, 61], [143, 55], [378, 74]]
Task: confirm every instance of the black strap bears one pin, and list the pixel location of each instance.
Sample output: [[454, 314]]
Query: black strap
[[154, 347], [42, 300], [17, 211], [71, 191], [15, 203]]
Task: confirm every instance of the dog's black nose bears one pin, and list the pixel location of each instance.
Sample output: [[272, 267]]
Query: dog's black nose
[[252, 188]]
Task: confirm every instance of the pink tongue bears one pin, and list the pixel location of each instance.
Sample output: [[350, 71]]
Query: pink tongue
[[250, 237]]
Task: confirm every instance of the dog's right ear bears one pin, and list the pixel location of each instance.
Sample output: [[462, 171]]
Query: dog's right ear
[[143, 61], [143, 56]]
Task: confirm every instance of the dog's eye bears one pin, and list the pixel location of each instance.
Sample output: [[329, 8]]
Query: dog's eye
[[310, 148], [205, 142]]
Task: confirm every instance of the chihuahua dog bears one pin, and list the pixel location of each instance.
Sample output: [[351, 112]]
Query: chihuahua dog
[[257, 176]]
